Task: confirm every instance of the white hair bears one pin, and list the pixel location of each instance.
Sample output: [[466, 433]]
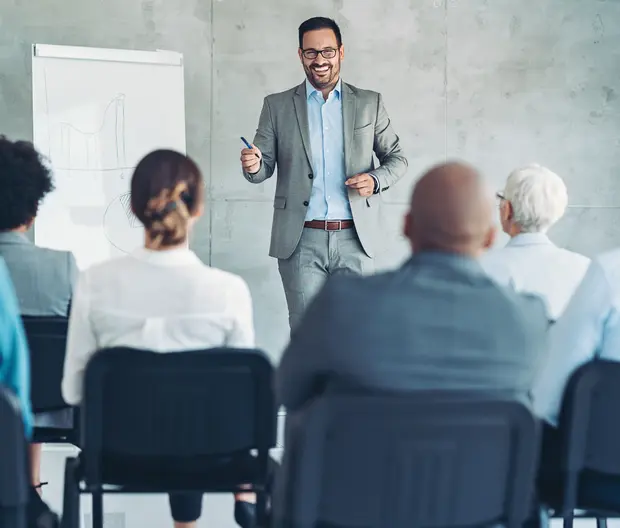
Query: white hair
[[538, 197]]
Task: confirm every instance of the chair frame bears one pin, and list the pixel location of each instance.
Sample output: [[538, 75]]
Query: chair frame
[[83, 474]]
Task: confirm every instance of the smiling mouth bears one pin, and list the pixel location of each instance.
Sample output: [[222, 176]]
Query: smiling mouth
[[321, 70]]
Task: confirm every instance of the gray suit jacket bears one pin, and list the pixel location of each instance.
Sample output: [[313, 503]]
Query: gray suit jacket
[[437, 323], [283, 137], [43, 278]]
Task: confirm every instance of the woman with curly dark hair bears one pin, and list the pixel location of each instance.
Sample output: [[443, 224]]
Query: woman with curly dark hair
[[43, 278]]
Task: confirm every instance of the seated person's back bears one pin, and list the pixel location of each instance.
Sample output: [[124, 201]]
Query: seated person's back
[[438, 322], [164, 301], [160, 297], [43, 278], [534, 199]]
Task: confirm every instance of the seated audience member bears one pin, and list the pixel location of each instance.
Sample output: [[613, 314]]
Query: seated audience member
[[533, 200], [14, 369], [160, 297], [438, 322], [588, 329], [43, 278]]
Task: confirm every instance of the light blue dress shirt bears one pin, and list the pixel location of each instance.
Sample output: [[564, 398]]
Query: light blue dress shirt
[[14, 356], [329, 199], [589, 328], [531, 263]]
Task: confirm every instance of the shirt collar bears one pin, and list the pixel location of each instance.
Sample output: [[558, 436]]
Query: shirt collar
[[166, 257], [446, 259], [311, 90], [529, 239], [13, 237]]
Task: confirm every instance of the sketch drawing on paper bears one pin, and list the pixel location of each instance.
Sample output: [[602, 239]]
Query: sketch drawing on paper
[[102, 149], [121, 227], [101, 152]]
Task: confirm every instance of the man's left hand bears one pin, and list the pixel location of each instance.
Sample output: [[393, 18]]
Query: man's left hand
[[364, 183]]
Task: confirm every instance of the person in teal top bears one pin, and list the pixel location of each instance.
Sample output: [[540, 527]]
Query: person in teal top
[[14, 356]]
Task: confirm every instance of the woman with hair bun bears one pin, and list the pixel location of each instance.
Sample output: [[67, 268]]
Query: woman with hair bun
[[119, 302]]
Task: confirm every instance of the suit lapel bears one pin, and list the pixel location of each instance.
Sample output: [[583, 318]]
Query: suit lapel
[[349, 108], [301, 110]]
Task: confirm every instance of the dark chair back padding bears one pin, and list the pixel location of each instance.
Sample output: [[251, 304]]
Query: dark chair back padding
[[431, 460], [204, 403], [13, 458], [47, 341], [589, 419]]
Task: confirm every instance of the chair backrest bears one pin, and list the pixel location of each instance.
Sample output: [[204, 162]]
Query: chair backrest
[[183, 404], [589, 418], [47, 341], [13, 458], [426, 459]]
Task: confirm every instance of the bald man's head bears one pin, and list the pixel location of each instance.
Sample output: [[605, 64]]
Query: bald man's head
[[451, 211]]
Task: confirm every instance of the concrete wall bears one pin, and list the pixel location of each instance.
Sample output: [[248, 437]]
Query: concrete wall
[[499, 83]]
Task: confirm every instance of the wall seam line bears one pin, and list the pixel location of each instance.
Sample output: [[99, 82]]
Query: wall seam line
[[445, 81], [211, 121]]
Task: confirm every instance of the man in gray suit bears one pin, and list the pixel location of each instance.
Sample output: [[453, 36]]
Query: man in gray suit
[[438, 322], [43, 278], [322, 135]]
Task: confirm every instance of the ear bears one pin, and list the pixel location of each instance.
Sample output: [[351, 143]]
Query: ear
[[489, 238], [199, 211], [301, 57], [341, 51], [509, 211]]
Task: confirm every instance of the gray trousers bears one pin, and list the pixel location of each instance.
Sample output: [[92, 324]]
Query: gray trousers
[[319, 254]]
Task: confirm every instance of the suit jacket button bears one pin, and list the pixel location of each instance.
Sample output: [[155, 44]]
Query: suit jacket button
[[306, 203], [310, 176]]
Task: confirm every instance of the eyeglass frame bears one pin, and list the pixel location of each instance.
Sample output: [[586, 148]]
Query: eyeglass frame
[[319, 52]]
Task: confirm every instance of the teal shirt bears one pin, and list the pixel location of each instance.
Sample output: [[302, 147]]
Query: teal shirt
[[14, 355]]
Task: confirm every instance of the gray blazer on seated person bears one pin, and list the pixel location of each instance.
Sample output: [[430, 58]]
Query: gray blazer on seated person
[[438, 322], [43, 280]]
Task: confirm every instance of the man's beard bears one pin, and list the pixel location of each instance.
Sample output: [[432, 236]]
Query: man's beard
[[323, 81]]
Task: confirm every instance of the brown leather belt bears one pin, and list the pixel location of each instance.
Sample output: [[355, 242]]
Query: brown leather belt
[[329, 225]]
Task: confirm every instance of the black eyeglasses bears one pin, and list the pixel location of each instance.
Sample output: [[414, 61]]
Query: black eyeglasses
[[328, 53]]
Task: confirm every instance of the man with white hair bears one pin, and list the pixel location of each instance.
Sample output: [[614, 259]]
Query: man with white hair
[[534, 199]]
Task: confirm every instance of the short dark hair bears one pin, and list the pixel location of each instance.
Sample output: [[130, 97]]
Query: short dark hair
[[24, 182], [166, 190], [312, 24]]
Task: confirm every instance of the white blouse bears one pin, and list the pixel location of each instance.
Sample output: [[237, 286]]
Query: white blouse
[[165, 301]]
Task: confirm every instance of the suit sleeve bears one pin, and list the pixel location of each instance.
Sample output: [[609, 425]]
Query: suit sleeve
[[301, 375], [393, 164], [266, 141]]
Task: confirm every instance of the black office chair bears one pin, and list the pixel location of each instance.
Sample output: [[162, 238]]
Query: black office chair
[[13, 463], [199, 413], [590, 432], [47, 341], [427, 459]]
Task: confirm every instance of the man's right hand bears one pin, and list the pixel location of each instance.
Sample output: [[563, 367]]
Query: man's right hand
[[249, 162]]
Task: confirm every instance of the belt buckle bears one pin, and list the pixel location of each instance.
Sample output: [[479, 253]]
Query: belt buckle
[[339, 222]]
